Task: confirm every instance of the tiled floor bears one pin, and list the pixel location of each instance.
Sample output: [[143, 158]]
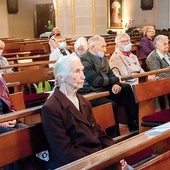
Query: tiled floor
[[123, 129]]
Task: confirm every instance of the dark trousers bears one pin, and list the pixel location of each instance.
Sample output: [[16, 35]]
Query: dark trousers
[[114, 130], [126, 98]]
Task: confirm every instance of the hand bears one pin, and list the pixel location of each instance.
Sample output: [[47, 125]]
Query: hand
[[123, 164], [10, 123], [116, 89], [152, 78]]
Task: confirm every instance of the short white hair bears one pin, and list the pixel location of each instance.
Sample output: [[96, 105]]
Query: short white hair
[[81, 41], [94, 41], [158, 39], [2, 44], [119, 36], [62, 66]]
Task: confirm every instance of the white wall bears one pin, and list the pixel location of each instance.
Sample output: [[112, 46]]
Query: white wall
[[77, 17], [163, 9], [3, 19]]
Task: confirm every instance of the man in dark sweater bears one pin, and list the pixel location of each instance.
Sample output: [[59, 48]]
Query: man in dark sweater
[[99, 77]]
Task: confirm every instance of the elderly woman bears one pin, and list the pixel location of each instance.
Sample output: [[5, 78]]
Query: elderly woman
[[3, 60], [160, 57], [67, 117], [122, 61], [52, 42], [146, 42], [80, 46]]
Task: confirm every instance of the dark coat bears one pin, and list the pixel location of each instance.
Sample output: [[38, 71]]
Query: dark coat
[[145, 46], [72, 134]]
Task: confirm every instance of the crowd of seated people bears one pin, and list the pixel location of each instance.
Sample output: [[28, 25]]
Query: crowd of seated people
[[98, 76]]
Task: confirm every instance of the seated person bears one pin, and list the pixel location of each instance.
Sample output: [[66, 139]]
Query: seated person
[[67, 117], [99, 77], [80, 46], [146, 45], [60, 51], [122, 61], [53, 42], [159, 59], [146, 42], [3, 60], [6, 106]]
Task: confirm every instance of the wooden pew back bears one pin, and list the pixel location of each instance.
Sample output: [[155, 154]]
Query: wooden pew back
[[29, 140], [29, 76], [104, 115], [145, 93]]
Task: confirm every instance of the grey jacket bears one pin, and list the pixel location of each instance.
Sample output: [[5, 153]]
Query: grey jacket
[[154, 62]]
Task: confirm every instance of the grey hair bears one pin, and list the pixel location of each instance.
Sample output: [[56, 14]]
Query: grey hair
[[2, 44], [62, 66], [146, 28], [94, 41], [158, 39], [55, 28], [119, 36], [81, 41]]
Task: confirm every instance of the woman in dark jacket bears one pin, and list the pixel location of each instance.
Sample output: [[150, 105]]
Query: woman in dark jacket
[[146, 42], [67, 117]]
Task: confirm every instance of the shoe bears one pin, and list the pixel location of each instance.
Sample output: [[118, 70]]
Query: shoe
[[134, 126]]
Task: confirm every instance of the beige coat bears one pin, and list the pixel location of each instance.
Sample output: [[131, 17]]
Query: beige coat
[[123, 65]]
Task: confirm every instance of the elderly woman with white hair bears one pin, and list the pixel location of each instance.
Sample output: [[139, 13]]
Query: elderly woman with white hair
[[3, 60], [146, 43], [160, 57], [123, 62], [67, 117], [80, 46]]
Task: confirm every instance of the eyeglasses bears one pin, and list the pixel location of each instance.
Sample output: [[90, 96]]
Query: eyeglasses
[[124, 41]]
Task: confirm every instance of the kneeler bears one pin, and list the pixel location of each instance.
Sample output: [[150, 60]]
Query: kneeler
[[156, 119]]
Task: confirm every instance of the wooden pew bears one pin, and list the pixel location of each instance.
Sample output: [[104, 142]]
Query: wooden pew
[[143, 77], [31, 138], [11, 47], [145, 93], [16, 54], [113, 154], [29, 76], [35, 47], [29, 65], [33, 58]]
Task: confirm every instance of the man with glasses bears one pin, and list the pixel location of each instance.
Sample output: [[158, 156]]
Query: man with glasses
[[99, 77], [123, 62]]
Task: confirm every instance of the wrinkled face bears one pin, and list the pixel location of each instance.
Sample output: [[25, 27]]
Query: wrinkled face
[[75, 77], [150, 33], [61, 39], [101, 46], [57, 32], [123, 41], [163, 45], [80, 50]]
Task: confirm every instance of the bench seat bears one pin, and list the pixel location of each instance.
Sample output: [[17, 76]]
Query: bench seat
[[35, 99], [156, 119]]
